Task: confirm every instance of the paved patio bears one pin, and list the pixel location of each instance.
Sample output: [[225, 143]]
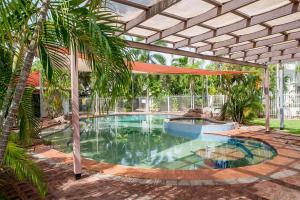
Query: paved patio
[[93, 185]]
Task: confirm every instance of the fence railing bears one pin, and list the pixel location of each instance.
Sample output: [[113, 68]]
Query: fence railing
[[291, 106], [151, 104], [178, 104]]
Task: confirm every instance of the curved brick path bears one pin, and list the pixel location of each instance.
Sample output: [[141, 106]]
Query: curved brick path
[[97, 186]]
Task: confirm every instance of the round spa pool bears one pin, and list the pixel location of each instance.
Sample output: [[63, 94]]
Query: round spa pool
[[143, 141], [194, 128]]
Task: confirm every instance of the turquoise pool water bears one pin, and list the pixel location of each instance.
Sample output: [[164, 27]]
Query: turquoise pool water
[[140, 140]]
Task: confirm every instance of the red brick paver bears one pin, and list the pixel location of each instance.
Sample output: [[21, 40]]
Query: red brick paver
[[93, 186]]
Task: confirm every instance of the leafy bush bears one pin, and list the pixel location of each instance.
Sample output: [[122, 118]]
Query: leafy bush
[[243, 101], [175, 104]]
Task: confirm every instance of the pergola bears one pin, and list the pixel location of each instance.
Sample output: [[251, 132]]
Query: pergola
[[253, 33]]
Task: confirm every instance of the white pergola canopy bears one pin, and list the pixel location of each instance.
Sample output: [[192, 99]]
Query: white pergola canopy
[[248, 32]]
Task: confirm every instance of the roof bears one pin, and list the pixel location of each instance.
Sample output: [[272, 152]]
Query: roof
[[33, 79], [254, 32]]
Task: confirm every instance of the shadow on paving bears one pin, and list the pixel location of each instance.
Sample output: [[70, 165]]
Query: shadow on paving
[[86, 188]]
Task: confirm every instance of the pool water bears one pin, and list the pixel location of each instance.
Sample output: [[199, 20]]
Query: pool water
[[140, 140]]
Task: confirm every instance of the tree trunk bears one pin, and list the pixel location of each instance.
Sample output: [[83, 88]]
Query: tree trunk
[[10, 88], [6, 101], [17, 96]]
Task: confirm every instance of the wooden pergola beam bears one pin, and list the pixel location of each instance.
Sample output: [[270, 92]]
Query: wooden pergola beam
[[245, 23], [148, 13], [252, 36], [131, 4], [284, 58], [286, 47], [142, 27], [266, 49], [168, 50], [291, 60], [261, 50], [258, 57], [236, 12], [213, 2], [214, 12]]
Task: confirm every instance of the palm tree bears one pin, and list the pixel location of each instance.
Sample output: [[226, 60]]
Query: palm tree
[[151, 83], [20, 86], [187, 81], [147, 56], [15, 158], [50, 27]]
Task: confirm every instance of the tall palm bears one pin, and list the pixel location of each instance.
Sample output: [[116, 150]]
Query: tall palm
[[147, 56], [20, 86], [139, 83], [49, 27], [16, 161], [184, 83]]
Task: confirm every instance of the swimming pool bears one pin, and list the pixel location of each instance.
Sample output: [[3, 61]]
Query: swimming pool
[[142, 141]]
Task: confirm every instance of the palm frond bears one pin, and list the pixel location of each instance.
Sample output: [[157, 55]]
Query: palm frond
[[17, 162], [29, 123], [160, 59]]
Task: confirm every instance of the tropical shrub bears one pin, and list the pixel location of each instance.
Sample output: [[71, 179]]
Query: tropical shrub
[[243, 97], [175, 104], [155, 104], [56, 91]]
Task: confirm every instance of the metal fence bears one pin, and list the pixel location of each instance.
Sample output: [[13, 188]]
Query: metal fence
[[291, 106], [151, 104], [178, 104]]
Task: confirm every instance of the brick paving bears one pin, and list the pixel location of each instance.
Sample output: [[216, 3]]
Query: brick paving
[[285, 164], [280, 186]]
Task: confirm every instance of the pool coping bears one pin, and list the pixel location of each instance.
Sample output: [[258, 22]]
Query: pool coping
[[205, 118], [285, 163]]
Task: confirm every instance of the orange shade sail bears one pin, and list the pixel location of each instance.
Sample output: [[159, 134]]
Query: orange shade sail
[[140, 67], [146, 68]]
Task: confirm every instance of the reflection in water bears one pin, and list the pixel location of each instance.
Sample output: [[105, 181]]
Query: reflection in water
[[140, 140]]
